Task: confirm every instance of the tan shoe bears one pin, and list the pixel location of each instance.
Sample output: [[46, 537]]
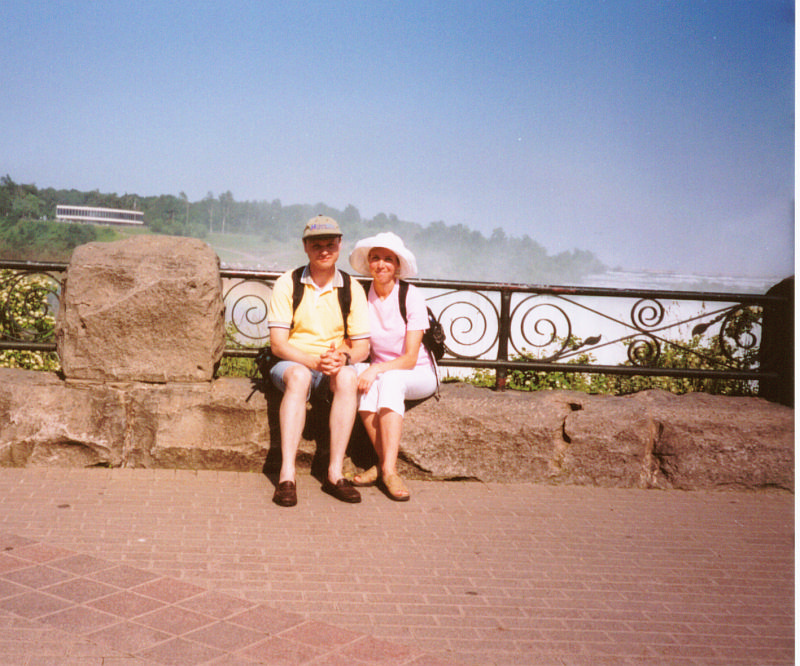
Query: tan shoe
[[396, 488], [366, 478]]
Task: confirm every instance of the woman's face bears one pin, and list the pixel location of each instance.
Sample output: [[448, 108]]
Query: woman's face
[[383, 264]]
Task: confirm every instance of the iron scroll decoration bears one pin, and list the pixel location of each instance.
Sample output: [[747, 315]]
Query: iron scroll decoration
[[473, 325], [467, 325], [647, 313], [552, 327], [644, 349], [737, 339], [246, 312], [739, 333]]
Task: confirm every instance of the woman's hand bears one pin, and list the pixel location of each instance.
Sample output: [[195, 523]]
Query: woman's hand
[[366, 378]]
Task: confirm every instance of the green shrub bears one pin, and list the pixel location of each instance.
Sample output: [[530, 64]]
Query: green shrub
[[30, 360], [236, 366], [697, 353], [26, 316], [44, 240]]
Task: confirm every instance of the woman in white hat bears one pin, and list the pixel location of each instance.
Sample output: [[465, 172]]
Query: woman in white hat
[[400, 368]]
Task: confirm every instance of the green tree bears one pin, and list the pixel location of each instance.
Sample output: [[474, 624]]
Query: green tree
[[226, 206], [185, 200], [28, 207], [8, 190], [210, 202]]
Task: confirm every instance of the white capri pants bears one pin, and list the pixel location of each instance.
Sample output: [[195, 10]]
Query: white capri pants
[[391, 389]]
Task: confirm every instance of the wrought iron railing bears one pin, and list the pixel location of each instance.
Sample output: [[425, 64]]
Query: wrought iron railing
[[497, 326]]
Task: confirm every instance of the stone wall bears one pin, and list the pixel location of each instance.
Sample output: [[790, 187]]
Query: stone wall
[[651, 439], [140, 329]]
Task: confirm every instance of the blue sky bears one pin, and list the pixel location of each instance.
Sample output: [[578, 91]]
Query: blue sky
[[658, 134]]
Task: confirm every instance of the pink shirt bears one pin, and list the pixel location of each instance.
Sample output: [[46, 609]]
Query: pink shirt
[[387, 328]]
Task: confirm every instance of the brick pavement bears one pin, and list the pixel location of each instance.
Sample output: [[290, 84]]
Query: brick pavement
[[162, 566]]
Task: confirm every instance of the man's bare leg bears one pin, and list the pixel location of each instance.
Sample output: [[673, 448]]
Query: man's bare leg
[[293, 417], [343, 416]]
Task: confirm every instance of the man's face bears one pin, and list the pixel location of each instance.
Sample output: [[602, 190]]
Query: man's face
[[323, 251]]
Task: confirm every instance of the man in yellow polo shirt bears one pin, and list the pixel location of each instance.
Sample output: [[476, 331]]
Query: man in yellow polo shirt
[[316, 356]]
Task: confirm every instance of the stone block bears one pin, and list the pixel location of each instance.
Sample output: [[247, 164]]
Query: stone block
[[49, 422], [478, 433], [608, 441], [221, 425], [712, 441], [146, 309]]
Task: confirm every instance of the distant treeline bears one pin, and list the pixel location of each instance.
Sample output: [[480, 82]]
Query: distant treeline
[[445, 251]]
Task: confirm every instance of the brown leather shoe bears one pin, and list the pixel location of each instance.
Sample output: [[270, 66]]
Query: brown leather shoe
[[285, 494], [342, 490]]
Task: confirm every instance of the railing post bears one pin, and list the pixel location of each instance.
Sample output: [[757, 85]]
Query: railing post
[[776, 353], [503, 335]]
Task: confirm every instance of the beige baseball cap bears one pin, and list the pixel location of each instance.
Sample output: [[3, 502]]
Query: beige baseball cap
[[321, 225]]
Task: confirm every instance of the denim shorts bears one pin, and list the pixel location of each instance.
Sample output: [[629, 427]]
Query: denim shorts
[[319, 381]]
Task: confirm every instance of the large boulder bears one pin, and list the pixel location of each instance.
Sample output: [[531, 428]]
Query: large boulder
[[146, 309]]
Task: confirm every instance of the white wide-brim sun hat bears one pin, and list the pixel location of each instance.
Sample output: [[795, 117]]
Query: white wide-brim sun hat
[[359, 257]]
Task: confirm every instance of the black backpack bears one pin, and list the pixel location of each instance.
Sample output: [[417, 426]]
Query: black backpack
[[265, 359], [432, 339]]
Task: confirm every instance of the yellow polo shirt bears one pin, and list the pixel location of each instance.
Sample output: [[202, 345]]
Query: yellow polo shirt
[[318, 318]]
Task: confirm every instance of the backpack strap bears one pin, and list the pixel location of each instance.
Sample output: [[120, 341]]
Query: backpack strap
[[345, 295], [402, 299], [298, 289]]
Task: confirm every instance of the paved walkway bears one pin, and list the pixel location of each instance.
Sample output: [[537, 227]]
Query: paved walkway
[[123, 567]]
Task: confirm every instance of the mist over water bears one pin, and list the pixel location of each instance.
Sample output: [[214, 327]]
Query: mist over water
[[431, 266], [619, 279]]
